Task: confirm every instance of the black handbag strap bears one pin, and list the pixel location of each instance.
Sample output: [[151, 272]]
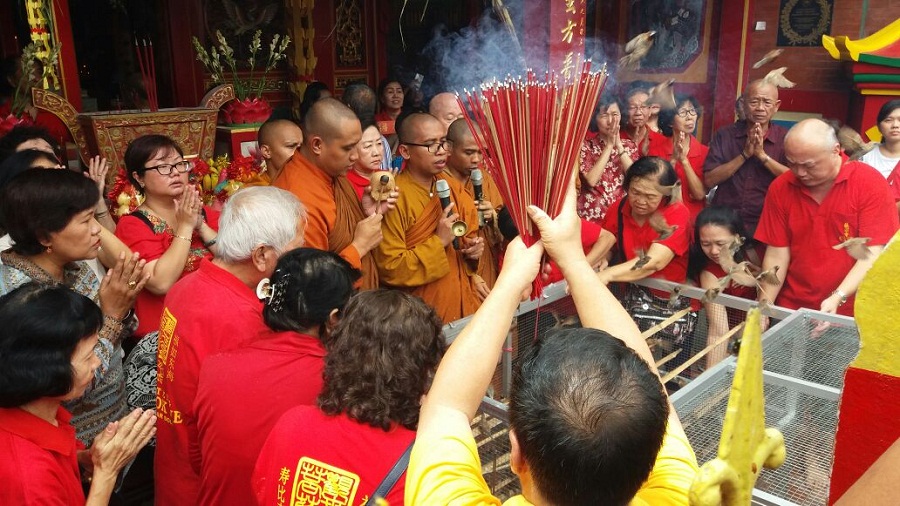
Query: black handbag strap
[[387, 484], [619, 256]]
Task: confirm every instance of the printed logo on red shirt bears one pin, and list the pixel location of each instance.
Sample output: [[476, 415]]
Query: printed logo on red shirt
[[318, 483]]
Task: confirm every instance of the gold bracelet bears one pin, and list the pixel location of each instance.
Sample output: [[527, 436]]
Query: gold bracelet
[[182, 237]]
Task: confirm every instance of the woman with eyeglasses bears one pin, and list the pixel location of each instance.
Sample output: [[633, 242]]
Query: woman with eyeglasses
[[171, 229], [604, 160], [683, 150]]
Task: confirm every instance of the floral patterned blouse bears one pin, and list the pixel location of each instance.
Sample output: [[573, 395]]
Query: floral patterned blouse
[[594, 201]]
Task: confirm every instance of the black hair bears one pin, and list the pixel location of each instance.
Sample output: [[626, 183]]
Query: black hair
[[40, 327], [886, 111], [142, 149], [37, 203], [725, 217], [22, 133], [384, 84], [589, 416], [16, 164], [507, 226], [666, 119], [362, 100], [603, 103], [311, 95], [646, 168], [308, 284]]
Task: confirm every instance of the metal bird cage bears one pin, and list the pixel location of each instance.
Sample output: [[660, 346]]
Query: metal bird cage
[[804, 368]]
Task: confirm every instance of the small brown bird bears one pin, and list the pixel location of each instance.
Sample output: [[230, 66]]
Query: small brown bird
[[710, 295], [636, 49], [663, 94], [661, 226], [768, 58], [743, 274], [776, 78], [673, 297], [856, 247], [726, 255], [673, 191], [643, 259], [769, 276], [852, 143]]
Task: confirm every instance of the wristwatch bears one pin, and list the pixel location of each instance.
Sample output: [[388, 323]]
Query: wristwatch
[[840, 294]]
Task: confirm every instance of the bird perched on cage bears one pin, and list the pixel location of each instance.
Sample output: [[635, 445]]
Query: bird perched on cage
[[853, 144], [663, 94], [673, 297], [636, 49], [661, 226], [776, 78], [856, 247], [768, 58]]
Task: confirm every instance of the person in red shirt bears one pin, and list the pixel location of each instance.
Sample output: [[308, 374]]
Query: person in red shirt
[[242, 393], [635, 119], [644, 200], [678, 145], [717, 229], [390, 95], [47, 339], [171, 229], [213, 310], [370, 155], [380, 362], [823, 201]]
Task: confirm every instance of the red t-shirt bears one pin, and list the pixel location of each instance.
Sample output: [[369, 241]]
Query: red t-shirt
[[661, 146], [151, 243], [858, 205], [637, 237], [386, 125], [307, 449], [894, 181], [39, 463], [359, 182], [205, 313], [240, 396]]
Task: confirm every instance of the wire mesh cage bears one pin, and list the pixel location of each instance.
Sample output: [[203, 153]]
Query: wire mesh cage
[[805, 355]]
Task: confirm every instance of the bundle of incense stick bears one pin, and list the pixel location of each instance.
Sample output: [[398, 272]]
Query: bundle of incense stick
[[531, 132], [148, 71]]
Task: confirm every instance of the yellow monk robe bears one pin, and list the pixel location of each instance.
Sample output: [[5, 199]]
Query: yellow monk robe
[[412, 257], [324, 231], [493, 240]]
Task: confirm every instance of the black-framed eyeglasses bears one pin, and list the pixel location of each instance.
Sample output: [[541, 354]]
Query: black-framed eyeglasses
[[687, 113], [165, 169], [433, 147]]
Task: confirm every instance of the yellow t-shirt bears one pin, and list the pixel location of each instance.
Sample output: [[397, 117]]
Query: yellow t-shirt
[[444, 468]]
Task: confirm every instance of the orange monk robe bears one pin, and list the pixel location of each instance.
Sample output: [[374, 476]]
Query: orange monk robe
[[315, 189], [411, 256], [493, 240]]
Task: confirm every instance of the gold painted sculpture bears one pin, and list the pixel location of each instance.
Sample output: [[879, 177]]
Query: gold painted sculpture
[[746, 444]]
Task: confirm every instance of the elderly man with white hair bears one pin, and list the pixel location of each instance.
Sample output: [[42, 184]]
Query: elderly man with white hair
[[825, 200], [214, 309]]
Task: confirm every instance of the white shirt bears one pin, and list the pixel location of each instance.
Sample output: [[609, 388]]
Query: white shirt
[[883, 164]]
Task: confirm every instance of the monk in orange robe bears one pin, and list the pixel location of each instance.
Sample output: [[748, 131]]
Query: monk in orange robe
[[316, 174], [465, 156], [417, 253], [278, 140]]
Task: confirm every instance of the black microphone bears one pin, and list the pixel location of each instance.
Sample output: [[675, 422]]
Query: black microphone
[[477, 180], [443, 190]]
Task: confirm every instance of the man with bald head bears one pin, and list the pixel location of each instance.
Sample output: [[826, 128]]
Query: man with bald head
[[419, 252], [745, 157], [466, 156], [445, 108], [316, 174], [278, 139], [824, 200], [362, 100]]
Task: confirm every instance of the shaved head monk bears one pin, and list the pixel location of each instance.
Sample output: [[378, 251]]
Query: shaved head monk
[[466, 156], [316, 174], [418, 251], [278, 139], [445, 108]]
